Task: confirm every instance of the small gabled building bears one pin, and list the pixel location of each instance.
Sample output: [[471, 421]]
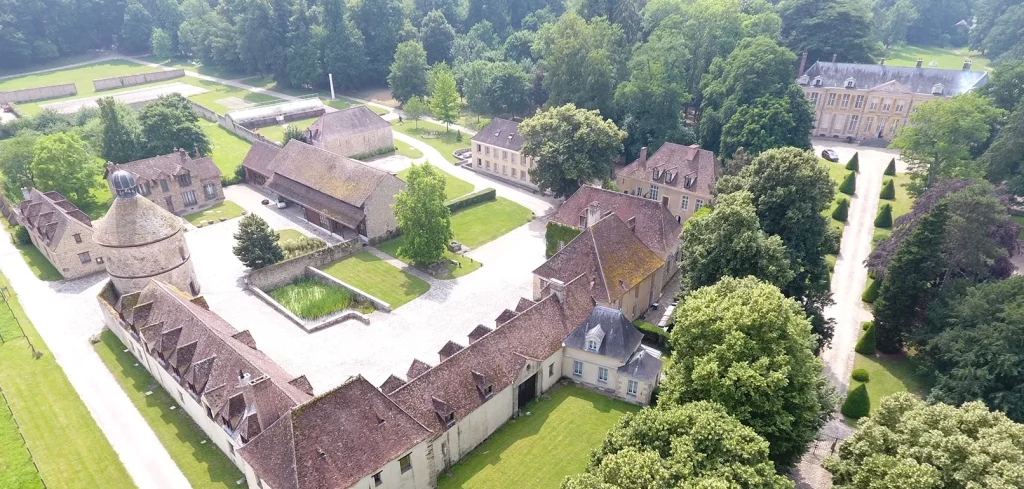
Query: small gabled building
[[680, 177], [353, 132], [61, 232], [496, 150], [177, 182]]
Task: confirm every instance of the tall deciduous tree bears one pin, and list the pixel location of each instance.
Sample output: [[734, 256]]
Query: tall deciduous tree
[[137, 29], [256, 244], [169, 123], [438, 36], [770, 122], [342, 46], [422, 216], [744, 345], [893, 23], [63, 163], [16, 156], [508, 88], [907, 444], [122, 134], [570, 147], [408, 76], [415, 109], [381, 23], [474, 79], [160, 43], [302, 61], [258, 43], [445, 101], [822, 28], [693, 445], [1006, 85]]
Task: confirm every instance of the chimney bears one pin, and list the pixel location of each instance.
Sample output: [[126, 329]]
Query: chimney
[[631, 223], [803, 64], [558, 288], [643, 157], [25, 192], [882, 62], [919, 62], [834, 57], [967, 65], [593, 213]]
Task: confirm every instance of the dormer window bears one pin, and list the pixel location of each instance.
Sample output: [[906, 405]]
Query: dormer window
[[817, 81], [937, 89], [594, 337], [184, 180], [803, 79], [849, 83], [449, 419], [592, 345]]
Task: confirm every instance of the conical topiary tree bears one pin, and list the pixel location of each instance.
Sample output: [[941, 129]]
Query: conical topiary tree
[[849, 185], [857, 403], [884, 217], [888, 191], [842, 210], [871, 293], [890, 169], [854, 163], [866, 343]]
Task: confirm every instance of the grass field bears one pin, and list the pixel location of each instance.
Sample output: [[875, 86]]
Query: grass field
[[889, 375], [945, 58], [228, 150], [65, 441], [219, 98], [378, 278], [901, 205], [339, 102], [192, 65], [538, 451], [1020, 220], [204, 465], [289, 234], [276, 133], [482, 223], [311, 299], [445, 142], [468, 265], [342, 103], [16, 467], [225, 209], [405, 149], [453, 186], [38, 263], [81, 76]]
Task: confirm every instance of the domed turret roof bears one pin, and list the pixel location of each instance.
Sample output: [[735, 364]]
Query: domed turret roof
[[134, 221]]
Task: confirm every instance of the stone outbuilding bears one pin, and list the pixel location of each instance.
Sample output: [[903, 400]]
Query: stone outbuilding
[[61, 232], [177, 182], [351, 132], [681, 177]]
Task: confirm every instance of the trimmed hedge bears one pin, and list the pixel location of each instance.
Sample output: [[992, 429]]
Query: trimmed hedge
[[652, 333], [861, 375], [870, 294], [842, 210], [857, 403], [21, 236], [890, 169], [888, 191], [849, 185], [555, 233], [884, 217], [467, 200], [371, 154], [854, 163], [866, 343]]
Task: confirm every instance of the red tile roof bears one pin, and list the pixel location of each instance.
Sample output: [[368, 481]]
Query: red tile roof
[[654, 224], [682, 167]]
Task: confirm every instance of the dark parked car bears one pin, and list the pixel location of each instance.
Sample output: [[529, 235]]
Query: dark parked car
[[830, 155]]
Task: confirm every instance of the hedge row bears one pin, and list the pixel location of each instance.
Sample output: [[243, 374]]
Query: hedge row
[[890, 169], [870, 294], [371, 154], [884, 218], [854, 163], [652, 333], [467, 200]]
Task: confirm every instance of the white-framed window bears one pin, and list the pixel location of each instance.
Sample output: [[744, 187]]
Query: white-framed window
[[860, 102], [867, 124], [591, 345], [899, 106], [210, 190], [602, 375], [874, 104], [814, 98], [632, 388], [684, 202], [551, 369], [886, 105], [831, 99], [189, 198], [852, 126], [846, 101], [698, 205], [654, 192], [577, 368]]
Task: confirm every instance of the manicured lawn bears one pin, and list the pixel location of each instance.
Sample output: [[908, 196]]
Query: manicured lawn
[[468, 265], [453, 187], [445, 142], [276, 133], [889, 375], [407, 150], [203, 464], [65, 441], [195, 66], [225, 209], [946, 58], [81, 76], [219, 98], [289, 234], [538, 451], [16, 468], [1020, 220], [311, 299], [38, 263], [228, 150], [482, 223], [102, 198], [345, 103], [901, 205], [378, 278]]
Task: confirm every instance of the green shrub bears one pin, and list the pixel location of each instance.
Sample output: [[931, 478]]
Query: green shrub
[[467, 200], [871, 293], [21, 236], [652, 333], [888, 191], [842, 210], [860, 375], [849, 185], [833, 240], [890, 169], [555, 234], [884, 217], [865, 325], [854, 163], [311, 299], [857, 403], [866, 343], [371, 154]]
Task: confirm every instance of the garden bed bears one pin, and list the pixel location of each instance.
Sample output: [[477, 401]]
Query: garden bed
[[221, 211], [312, 299]]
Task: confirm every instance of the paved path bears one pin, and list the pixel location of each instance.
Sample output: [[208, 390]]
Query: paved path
[[66, 314], [848, 281]]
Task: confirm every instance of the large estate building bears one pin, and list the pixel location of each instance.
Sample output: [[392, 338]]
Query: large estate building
[[175, 181], [680, 177], [869, 101], [351, 132], [62, 232], [496, 151]]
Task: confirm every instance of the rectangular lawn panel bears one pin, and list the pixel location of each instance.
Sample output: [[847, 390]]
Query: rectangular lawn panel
[[65, 441], [538, 451], [311, 299], [204, 465], [453, 186], [225, 209], [378, 278], [228, 150], [889, 375], [481, 223], [16, 468], [445, 142], [946, 58], [221, 98], [466, 265], [289, 234]]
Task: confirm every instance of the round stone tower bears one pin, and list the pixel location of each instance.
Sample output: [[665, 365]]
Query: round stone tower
[[142, 241]]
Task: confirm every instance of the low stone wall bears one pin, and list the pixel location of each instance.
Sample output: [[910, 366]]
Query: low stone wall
[[38, 93], [203, 111], [359, 293], [288, 271], [311, 326], [132, 80], [227, 123], [272, 120]]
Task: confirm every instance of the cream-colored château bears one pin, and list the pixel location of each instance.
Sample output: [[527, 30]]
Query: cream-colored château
[[869, 101], [680, 177], [496, 151]]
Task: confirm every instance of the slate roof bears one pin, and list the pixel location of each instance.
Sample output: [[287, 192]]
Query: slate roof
[[346, 123], [241, 385], [497, 132], [683, 167], [621, 338], [654, 224], [524, 304], [611, 256], [168, 166], [645, 364], [459, 383], [335, 440], [48, 214], [259, 157], [393, 382], [912, 79]]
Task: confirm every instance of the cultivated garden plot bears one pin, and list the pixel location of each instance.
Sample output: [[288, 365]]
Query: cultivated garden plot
[[312, 299]]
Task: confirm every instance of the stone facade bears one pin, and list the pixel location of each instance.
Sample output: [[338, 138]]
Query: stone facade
[[176, 182], [680, 177], [602, 373], [62, 233], [496, 150], [361, 144], [351, 132]]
